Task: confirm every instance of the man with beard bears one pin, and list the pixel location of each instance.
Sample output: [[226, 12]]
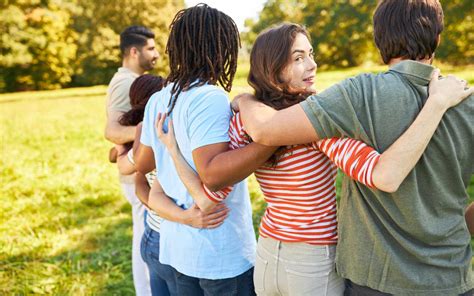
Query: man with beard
[[137, 46]]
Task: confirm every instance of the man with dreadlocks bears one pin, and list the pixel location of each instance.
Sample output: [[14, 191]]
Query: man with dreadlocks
[[203, 48]]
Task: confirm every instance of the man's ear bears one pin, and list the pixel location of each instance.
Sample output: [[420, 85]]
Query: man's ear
[[133, 51]]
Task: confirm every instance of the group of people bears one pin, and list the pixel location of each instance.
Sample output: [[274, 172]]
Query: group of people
[[403, 140]]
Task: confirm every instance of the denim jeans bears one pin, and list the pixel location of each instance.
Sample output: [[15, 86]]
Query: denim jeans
[[241, 285], [162, 277]]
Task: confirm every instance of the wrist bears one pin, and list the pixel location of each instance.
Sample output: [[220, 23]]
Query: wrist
[[438, 103]]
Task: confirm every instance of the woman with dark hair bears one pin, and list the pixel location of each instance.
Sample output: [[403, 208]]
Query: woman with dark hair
[[298, 232]]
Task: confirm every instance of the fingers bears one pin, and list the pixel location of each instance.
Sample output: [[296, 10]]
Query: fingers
[[435, 74], [170, 128], [160, 119], [469, 91]]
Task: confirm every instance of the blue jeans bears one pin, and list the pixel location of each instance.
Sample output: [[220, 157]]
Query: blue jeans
[[162, 277], [241, 285]]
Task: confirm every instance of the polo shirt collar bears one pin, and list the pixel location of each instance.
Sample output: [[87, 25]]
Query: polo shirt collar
[[415, 72]]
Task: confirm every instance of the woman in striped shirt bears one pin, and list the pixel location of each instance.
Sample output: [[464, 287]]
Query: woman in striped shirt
[[298, 232]]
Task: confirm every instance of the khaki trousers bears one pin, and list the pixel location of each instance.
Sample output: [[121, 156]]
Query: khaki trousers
[[295, 269]]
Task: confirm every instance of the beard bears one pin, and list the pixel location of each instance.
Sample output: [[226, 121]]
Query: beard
[[146, 64]]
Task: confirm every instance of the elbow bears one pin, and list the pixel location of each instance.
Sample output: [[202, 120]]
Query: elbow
[[108, 135], [386, 184], [213, 183]]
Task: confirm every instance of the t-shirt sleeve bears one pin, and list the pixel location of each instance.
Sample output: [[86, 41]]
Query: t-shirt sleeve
[[148, 125], [119, 98], [333, 113], [208, 118], [355, 158]]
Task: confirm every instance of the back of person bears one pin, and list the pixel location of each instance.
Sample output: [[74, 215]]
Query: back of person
[[416, 239], [201, 116]]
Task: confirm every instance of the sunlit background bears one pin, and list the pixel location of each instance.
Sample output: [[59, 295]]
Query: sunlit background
[[65, 226]]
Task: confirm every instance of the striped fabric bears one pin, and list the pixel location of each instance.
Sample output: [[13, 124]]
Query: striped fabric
[[300, 188]]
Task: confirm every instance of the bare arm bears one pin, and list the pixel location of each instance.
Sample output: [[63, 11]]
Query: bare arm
[[115, 132], [470, 218], [400, 158], [124, 162], [167, 209], [143, 155], [270, 127], [186, 173], [142, 188]]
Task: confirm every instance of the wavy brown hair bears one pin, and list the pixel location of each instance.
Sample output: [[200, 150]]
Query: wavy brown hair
[[271, 54], [203, 46]]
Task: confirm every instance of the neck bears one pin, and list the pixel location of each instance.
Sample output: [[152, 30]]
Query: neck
[[132, 66]]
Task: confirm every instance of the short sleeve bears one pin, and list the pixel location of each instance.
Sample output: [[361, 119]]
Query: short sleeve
[[333, 113], [208, 119], [148, 126], [237, 134], [119, 98]]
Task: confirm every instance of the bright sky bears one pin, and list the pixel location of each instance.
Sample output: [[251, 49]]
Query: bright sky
[[238, 10]]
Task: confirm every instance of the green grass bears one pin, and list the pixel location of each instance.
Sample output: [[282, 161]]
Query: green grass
[[66, 229]]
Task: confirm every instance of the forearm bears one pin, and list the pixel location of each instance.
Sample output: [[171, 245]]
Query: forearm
[[191, 181], [276, 128], [161, 204], [400, 158], [142, 189], [119, 134], [257, 118], [230, 167]]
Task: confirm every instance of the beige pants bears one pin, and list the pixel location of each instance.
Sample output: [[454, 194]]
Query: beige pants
[[295, 269]]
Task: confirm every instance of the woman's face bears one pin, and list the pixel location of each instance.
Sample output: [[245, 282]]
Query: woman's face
[[300, 72]]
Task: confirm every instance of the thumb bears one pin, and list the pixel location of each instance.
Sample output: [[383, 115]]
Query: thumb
[[435, 74]]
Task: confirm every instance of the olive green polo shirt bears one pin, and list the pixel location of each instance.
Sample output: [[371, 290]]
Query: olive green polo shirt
[[414, 241]]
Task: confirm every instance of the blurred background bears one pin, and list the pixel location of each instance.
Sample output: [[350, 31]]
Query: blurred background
[[65, 226]]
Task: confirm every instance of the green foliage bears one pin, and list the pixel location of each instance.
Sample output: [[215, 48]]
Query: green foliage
[[341, 30], [38, 47], [55, 43]]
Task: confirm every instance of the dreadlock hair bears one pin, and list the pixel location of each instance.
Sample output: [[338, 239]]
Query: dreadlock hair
[[203, 47], [140, 92]]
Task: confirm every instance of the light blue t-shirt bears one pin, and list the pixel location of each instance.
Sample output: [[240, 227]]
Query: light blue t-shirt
[[201, 117]]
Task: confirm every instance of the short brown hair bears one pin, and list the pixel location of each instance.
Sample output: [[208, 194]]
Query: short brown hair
[[407, 29], [271, 54]]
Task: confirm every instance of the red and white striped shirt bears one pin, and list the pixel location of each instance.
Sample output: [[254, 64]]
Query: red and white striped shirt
[[300, 189]]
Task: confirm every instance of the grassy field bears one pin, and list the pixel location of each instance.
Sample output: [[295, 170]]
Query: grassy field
[[66, 229]]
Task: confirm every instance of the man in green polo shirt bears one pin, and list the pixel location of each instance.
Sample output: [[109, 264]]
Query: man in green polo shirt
[[413, 241]]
